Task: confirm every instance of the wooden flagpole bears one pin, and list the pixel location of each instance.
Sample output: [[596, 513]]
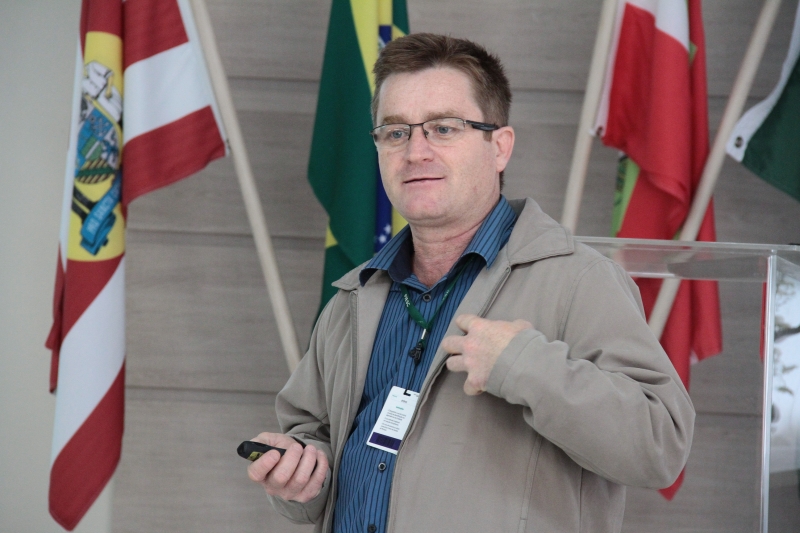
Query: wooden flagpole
[[733, 110], [241, 162], [591, 102]]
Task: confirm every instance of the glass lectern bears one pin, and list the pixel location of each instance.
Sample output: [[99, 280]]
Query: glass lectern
[[777, 268]]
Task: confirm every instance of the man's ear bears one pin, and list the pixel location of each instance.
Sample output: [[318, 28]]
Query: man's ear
[[503, 140]]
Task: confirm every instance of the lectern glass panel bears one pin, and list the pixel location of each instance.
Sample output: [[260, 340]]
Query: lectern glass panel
[[767, 279]]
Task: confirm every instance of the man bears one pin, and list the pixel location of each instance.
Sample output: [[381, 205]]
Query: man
[[532, 387]]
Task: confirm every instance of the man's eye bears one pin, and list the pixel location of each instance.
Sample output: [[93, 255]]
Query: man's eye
[[395, 135], [443, 130]]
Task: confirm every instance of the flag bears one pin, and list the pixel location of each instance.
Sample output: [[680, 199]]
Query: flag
[[343, 166], [139, 61], [767, 138], [654, 109]]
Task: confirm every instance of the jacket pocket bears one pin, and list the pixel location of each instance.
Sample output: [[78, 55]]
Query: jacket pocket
[[531, 473]]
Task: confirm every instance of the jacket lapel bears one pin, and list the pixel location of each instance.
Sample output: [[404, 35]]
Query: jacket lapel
[[366, 308], [475, 302]]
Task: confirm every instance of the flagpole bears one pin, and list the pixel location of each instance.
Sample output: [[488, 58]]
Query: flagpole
[[255, 212], [591, 101], [733, 110]]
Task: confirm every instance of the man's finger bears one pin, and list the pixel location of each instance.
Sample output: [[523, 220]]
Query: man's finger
[[471, 390], [259, 469], [302, 474], [282, 473], [456, 363], [274, 439], [314, 484], [466, 321], [453, 344]]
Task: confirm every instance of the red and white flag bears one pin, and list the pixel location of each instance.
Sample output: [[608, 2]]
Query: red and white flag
[[654, 109], [139, 63]]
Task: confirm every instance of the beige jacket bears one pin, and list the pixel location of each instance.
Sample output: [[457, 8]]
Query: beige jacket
[[579, 407]]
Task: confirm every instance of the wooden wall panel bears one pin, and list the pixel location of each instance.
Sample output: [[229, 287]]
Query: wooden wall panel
[[728, 28], [271, 38], [544, 45], [748, 209], [712, 380], [179, 470], [199, 315], [720, 491], [784, 502]]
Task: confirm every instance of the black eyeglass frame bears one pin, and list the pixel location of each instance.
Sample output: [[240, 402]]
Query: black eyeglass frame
[[482, 126]]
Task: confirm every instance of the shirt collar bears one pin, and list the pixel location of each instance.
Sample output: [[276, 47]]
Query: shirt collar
[[395, 257]]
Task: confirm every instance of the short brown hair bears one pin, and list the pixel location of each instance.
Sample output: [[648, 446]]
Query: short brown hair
[[421, 51]]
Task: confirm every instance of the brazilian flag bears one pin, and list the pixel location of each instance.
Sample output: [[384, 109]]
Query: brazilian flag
[[343, 168]]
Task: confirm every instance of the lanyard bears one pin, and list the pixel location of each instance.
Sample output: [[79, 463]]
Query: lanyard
[[416, 352]]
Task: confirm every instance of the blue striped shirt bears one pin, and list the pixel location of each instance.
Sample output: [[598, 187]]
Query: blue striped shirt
[[365, 474]]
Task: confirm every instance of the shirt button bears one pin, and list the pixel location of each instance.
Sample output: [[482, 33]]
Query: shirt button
[[426, 297], [372, 528], [381, 466]]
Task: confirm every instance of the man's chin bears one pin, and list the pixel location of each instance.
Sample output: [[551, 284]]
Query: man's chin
[[424, 215]]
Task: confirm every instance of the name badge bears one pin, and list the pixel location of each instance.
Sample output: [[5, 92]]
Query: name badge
[[393, 421]]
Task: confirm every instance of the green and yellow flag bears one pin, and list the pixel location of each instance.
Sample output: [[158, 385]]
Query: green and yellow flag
[[343, 167]]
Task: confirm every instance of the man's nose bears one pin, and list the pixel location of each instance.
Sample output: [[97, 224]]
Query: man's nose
[[418, 145]]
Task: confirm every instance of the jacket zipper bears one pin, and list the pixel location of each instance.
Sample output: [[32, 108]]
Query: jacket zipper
[[427, 385]]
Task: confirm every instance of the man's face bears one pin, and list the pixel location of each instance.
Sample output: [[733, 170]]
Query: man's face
[[440, 186]]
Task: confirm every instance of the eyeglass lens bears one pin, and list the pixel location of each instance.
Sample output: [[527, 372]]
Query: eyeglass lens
[[439, 132]]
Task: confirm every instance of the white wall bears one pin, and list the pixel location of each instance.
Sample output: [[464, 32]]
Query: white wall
[[37, 55]]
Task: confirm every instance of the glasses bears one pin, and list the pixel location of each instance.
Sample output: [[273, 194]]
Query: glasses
[[439, 132]]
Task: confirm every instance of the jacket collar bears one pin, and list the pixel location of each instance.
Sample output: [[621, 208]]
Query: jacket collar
[[536, 236]]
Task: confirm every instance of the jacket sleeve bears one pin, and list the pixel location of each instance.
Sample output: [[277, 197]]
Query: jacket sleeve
[[606, 393], [302, 412]]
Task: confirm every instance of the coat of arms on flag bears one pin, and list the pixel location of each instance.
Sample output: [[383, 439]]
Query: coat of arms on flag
[[98, 157]]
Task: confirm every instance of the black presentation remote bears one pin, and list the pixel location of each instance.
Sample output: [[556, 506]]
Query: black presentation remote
[[252, 450]]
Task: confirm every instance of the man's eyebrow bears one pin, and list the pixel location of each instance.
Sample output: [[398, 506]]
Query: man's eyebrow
[[449, 113], [399, 119], [393, 119]]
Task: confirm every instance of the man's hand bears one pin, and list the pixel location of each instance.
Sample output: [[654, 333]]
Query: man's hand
[[477, 351], [298, 475]]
